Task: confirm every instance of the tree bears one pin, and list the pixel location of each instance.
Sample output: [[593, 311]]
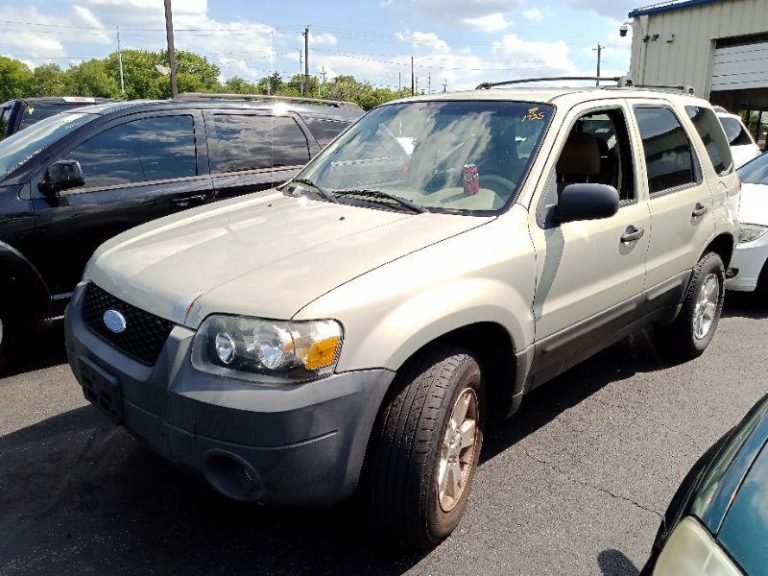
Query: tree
[[15, 79], [91, 78], [48, 80], [237, 85]]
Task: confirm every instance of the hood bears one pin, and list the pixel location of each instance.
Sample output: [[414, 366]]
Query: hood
[[264, 255], [754, 204]]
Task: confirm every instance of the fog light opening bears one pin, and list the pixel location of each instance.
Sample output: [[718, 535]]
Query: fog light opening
[[232, 477]]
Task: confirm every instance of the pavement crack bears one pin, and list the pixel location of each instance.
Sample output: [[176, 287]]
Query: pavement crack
[[586, 484]]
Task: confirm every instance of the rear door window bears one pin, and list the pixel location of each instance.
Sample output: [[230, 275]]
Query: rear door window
[[669, 156], [240, 142], [142, 150], [325, 130], [713, 136]]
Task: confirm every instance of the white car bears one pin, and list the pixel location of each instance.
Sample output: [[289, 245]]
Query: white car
[[748, 268], [743, 146]]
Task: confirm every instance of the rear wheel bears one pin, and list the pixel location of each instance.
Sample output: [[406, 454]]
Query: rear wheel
[[690, 334], [425, 448]]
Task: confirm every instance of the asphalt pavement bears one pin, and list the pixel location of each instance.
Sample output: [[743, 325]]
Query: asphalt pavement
[[573, 485]]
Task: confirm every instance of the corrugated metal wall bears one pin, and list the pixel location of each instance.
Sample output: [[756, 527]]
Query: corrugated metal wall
[[689, 58]]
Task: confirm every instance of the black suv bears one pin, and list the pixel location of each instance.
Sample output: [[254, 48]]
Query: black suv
[[73, 180], [18, 114]]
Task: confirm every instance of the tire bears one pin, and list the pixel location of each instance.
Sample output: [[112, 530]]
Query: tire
[[689, 335], [410, 453], [6, 339]]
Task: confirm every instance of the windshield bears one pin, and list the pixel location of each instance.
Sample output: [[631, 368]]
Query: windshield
[[21, 146], [467, 157], [755, 172]]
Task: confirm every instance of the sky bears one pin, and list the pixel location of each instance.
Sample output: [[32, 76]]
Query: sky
[[455, 43]]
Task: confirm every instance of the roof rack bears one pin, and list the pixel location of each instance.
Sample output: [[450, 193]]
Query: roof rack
[[621, 81], [264, 97], [684, 88]]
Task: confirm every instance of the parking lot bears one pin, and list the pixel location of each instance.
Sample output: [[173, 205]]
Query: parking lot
[[574, 484]]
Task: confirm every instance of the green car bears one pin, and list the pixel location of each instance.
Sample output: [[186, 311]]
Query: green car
[[717, 523]]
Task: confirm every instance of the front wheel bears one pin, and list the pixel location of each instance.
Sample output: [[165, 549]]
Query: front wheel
[[425, 448], [690, 334]]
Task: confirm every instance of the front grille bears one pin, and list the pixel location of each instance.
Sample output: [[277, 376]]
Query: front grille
[[145, 334]]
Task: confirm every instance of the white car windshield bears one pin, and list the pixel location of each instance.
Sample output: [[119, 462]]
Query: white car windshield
[[755, 172], [24, 144], [454, 156]]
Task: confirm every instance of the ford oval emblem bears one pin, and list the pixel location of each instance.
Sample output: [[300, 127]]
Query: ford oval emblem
[[114, 321]]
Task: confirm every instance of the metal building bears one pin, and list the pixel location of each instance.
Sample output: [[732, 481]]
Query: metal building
[[720, 47]]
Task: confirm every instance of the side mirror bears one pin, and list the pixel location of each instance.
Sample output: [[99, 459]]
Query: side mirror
[[587, 202], [62, 175]]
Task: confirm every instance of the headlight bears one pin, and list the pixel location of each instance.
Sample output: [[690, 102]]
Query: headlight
[[266, 350], [751, 232]]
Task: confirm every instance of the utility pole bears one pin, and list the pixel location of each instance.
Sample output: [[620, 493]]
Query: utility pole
[[306, 56], [322, 74], [429, 83], [599, 50], [417, 85], [399, 81], [303, 78], [413, 81], [171, 48], [120, 61], [445, 85]]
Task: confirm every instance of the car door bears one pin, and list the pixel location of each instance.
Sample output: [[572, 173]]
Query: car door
[[589, 274], [251, 151], [136, 168], [680, 202]]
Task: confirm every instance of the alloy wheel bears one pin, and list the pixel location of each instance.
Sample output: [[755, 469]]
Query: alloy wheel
[[705, 312], [457, 451]]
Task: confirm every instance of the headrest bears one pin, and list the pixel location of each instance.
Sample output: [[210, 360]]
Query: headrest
[[581, 156]]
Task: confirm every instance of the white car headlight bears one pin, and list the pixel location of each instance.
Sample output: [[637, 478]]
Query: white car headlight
[[751, 232], [266, 350]]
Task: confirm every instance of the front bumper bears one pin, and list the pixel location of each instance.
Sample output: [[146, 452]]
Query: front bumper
[[749, 259], [300, 444]]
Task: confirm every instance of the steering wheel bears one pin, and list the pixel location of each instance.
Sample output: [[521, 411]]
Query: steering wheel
[[505, 184]]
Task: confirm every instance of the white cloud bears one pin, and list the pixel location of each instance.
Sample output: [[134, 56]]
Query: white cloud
[[534, 14], [427, 40], [89, 19], [490, 23], [610, 8], [323, 39], [535, 58]]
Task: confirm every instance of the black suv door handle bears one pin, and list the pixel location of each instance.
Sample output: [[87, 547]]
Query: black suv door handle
[[632, 234], [699, 210], [186, 201]]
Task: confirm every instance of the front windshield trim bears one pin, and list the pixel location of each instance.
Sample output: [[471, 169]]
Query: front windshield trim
[[551, 108]]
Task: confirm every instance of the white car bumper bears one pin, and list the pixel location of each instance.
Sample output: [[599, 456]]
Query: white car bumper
[[748, 260]]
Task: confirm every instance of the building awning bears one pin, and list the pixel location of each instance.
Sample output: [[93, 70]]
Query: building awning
[[668, 6]]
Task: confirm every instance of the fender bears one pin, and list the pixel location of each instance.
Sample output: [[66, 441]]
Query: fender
[[21, 280]]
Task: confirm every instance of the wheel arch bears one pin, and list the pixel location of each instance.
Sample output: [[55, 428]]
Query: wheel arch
[[21, 281], [723, 245]]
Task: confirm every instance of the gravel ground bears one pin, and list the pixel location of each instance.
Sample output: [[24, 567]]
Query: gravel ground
[[574, 484]]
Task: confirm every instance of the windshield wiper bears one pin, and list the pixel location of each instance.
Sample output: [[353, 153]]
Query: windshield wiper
[[381, 194], [322, 191]]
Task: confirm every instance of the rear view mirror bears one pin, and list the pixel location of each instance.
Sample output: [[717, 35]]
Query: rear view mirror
[[587, 202], [62, 175]]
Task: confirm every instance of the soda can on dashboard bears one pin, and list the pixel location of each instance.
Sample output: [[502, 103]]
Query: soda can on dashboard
[[471, 179]]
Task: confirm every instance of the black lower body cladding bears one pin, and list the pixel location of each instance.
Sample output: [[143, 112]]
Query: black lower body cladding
[[301, 444]]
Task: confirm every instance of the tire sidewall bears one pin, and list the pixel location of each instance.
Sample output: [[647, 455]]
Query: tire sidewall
[[441, 523], [711, 263]]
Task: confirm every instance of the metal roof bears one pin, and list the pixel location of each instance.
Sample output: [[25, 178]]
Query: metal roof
[[668, 6]]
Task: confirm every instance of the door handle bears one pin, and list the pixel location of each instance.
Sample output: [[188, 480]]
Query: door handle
[[632, 234], [186, 201], [699, 210]]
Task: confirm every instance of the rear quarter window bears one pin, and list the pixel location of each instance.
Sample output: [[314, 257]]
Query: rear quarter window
[[712, 135], [735, 132]]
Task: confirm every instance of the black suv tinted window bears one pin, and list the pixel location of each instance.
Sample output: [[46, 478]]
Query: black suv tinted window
[[711, 132], [250, 142], [325, 130], [668, 151], [148, 149], [5, 114]]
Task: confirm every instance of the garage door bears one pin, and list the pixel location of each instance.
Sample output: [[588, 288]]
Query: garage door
[[741, 67]]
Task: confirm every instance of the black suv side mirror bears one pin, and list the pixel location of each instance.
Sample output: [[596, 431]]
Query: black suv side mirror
[[587, 202], [62, 175]]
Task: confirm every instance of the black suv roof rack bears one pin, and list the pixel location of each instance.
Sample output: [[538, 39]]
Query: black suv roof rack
[[621, 81], [265, 98], [684, 88]]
